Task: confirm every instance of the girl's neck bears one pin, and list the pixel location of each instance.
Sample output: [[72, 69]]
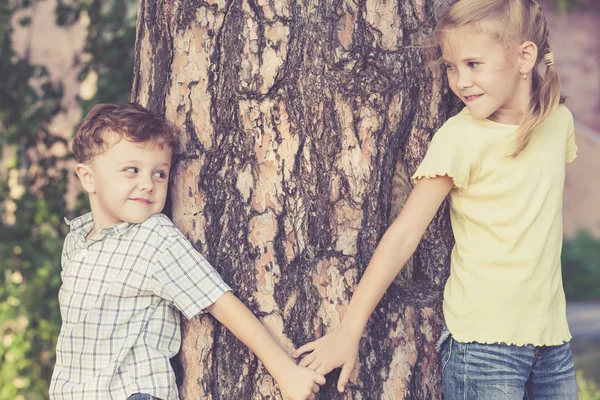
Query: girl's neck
[[514, 112], [508, 116]]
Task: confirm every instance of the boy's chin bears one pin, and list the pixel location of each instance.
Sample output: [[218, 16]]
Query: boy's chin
[[137, 219]]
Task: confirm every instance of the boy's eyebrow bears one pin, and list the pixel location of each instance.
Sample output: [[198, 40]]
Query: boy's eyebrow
[[165, 164]]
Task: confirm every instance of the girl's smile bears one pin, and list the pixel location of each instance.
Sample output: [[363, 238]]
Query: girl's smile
[[472, 97]]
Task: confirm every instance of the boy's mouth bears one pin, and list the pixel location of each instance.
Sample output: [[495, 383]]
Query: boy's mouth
[[472, 97]]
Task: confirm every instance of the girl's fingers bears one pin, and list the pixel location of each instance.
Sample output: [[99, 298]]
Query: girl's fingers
[[304, 349], [311, 397], [316, 388], [344, 376], [314, 365], [322, 370], [307, 359]]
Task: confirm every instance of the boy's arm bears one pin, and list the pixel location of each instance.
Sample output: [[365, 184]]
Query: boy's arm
[[340, 347], [294, 381]]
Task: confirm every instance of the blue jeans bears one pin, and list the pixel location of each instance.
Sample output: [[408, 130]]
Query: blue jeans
[[142, 396], [475, 371]]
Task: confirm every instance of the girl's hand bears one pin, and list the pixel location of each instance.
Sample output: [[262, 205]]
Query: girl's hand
[[299, 383], [336, 349]]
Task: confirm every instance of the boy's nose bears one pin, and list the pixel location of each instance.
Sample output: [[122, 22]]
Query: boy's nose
[[146, 184]]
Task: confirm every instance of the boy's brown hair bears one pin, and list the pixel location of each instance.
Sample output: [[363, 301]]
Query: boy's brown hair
[[129, 120]]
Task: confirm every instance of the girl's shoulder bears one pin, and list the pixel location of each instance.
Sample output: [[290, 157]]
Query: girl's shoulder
[[463, 117], [460, 125], [562, 112]]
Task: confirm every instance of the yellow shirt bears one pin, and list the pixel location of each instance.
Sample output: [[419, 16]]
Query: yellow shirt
[[505, 283]]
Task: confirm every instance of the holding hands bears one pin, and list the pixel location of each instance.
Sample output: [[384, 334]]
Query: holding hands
[[336, 349], [299, 383]]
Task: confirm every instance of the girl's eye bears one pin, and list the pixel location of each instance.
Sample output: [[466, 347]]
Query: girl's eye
[[449, 67], [132, 170], [160, 174], [473, 64]]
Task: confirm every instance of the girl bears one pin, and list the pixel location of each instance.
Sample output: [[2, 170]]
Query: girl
[[501, 159]]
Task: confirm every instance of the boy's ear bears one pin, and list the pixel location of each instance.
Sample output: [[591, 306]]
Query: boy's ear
[[528, 53], [86, 176]]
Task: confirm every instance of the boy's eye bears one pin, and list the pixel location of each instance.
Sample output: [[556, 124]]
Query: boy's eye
[[473, 64], [132, 170], [160, 174]]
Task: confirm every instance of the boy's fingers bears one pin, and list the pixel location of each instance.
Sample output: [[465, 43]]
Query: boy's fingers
[[307, 360], [304, 349], [316, 388], [311, 397], [344, 376], [320, 379]]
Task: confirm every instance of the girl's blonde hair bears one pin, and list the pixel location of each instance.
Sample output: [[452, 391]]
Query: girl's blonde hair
[[524, 20]]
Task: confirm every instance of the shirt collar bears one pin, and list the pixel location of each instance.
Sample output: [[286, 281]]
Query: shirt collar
[[84, 224]]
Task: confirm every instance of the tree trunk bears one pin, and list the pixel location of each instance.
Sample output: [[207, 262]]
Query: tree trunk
[[301, 123]]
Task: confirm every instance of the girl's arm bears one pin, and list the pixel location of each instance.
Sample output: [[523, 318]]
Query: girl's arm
[[295, 382], [340, 348]]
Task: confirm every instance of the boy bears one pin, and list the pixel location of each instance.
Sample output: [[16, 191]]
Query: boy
[[126, 270]]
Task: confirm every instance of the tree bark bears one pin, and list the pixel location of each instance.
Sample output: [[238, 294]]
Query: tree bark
[[301, 123]]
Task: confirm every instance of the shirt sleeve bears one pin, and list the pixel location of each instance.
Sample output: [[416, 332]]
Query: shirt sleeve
[[448, 154], [186, 279], [571, 153]]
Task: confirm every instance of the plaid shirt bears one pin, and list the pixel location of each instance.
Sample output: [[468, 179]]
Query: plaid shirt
[[119, 299]]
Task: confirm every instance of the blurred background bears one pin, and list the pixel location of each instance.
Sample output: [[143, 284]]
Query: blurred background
[[60, 57]]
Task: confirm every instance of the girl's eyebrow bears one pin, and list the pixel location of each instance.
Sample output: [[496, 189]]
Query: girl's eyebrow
[[467, 59]]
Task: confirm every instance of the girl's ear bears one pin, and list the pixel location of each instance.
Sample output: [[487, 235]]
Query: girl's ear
[[528, 53], [86, 176]]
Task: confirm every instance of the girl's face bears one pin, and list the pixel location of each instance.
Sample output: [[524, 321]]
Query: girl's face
[[484, 74]]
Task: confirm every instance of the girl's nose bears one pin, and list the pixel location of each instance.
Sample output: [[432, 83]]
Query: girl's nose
[[464, 80]]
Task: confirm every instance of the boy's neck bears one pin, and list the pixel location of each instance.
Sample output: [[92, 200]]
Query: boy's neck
[[99, 221]]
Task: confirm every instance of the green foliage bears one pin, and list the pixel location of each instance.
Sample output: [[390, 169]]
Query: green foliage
[[581, 267], [29, 248], [31, 224], [566, 5], [588, 390], [111, 38]]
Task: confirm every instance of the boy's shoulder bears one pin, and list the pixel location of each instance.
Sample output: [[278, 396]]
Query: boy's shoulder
[[162, 227], [79, 223], [158, 228]]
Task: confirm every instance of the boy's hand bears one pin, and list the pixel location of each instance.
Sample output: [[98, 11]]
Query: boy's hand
[[295, 382], [336, 349], [299, 383]]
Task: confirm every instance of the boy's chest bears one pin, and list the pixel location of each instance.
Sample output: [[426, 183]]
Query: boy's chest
[[102, 276]]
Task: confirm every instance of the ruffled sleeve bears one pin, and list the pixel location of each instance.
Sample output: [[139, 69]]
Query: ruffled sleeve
[[571, 153], [448, 154]]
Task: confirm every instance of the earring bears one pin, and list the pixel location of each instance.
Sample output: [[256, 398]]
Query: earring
[[524, 76]]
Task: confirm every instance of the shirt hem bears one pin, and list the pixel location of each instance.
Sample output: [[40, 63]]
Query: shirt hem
[[552, 342]]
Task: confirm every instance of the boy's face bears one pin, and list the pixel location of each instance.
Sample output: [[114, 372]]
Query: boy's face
[[129, 182]]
